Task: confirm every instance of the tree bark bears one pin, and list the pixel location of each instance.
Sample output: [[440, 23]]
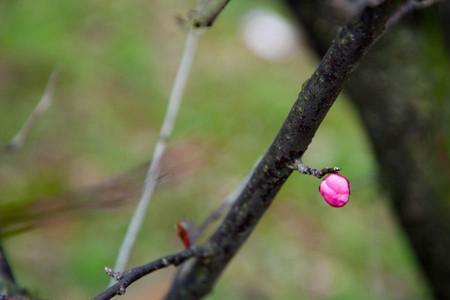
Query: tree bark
[[314, 100], [402, 92]]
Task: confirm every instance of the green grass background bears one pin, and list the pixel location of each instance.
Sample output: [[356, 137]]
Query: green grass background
[[117, 61]]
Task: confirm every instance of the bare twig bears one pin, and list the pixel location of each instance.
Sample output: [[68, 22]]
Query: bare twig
[[123, 280], [316, 97], [206, 10], [42, 106], [319, 173], [154, 167]]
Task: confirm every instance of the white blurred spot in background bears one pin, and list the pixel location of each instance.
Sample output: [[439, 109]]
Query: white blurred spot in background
[[269, 35]]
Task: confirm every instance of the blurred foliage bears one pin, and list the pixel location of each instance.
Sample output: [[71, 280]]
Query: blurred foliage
[[117, 62]]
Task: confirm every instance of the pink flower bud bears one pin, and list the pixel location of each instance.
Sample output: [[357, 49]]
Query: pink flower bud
[[335, 190]]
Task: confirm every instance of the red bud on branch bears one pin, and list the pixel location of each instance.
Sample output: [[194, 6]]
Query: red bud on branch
[[183, 233]]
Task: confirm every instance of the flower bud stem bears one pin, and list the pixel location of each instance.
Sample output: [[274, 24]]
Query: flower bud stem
[[319, 173]]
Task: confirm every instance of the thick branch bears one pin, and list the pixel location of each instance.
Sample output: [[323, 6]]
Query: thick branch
[[128, 278], [397, 114], [314, 101]]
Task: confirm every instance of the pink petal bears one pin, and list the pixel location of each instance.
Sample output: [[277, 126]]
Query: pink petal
[[335, 190]]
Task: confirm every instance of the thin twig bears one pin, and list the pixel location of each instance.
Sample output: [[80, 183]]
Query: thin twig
[[122, 281], [154, 167], [319, 173], [41, 107]]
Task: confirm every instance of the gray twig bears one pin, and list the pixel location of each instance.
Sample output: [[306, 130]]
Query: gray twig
[[206, 10], [123, 280], [160, 147], [319, 173]]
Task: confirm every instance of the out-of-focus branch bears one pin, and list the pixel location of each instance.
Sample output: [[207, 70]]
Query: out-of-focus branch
[[154, 167], [122, 281], [210, 10], [408, 7], [8, 283], [112, 193], [41, 107], [207, 11], [316, 97]]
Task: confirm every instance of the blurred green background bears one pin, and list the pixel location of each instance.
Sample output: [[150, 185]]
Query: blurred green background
[[117, 61]]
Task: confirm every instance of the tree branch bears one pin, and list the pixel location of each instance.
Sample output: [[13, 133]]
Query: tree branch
[[128, 278], [316, 97], [215, 215], [207, 11], [396, 113], [160, 147]]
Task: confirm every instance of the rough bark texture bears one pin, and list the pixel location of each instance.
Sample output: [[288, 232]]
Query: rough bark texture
[[315, 99], [402, 93]]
